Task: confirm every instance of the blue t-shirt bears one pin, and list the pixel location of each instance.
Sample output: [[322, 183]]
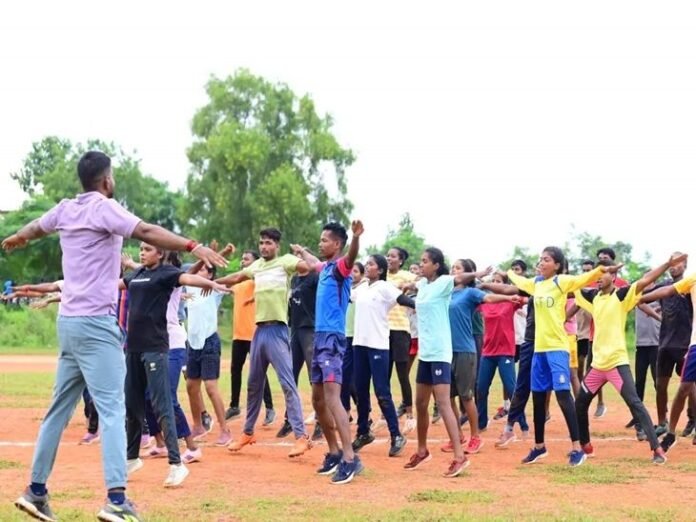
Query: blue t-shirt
[[432, 303], [461, 311], [333, 296]]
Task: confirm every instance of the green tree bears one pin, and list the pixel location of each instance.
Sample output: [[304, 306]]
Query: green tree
[[523, 253], [404, 236], [262, 156]]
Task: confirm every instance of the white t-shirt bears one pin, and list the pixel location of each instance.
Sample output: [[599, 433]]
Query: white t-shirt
[[202, 316], [372, 304], [520, 321], [177, 333]]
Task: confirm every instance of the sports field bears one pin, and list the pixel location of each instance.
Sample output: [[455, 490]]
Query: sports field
[[261, 483]]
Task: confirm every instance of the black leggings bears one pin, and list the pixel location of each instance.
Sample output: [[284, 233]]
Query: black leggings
[[565, 401], [646, 357], [240, 350], [595, 380], [399, 345]]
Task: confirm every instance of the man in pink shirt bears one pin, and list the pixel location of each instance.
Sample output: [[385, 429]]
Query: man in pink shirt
[[91, 228]]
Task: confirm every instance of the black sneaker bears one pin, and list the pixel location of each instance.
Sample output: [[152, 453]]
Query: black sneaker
[[115, 513], [330, 464], [640, 434], [318, 433], [689, 429], [631, 423], [661, 429], [207, 422], [35, 506], [363, 440], [401, 410], [668, 441], [398, 444], [284, 430], [232, 412]]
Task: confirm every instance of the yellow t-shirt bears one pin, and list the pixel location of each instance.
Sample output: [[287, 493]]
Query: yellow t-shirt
[[550, 296], [398, 320], [686, 286], [609, 312]]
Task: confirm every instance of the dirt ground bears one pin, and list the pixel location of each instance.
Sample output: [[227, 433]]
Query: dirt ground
[[628, 488]]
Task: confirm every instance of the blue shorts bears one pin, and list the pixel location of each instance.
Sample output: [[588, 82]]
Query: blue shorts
[[689, 368], [204, 364], [551, 371], [327, 359], [432, 373]]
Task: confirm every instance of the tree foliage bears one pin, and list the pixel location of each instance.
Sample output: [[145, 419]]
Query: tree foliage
[[262, 156], [404, 236]]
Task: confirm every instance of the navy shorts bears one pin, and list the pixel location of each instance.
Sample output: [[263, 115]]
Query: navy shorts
[[551, 371], [204, 364], [327, 359], [689, 368], [432, 373]]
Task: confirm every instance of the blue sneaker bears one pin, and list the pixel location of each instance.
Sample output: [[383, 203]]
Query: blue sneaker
[[330, 464], [118, 513], [577, 457], [534, 455], [347, 471], [35, 506]]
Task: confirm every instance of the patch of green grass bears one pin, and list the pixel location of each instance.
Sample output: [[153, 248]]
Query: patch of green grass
[[591, 474], [447, 497], [9, 464], [651, 515], [74, 494], [686, 467]]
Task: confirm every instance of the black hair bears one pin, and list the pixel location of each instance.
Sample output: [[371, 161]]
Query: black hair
[[436, 256], [469, 266], [271, 233], [252, 253], [338, 231], [607, 251], [91, 168], [566, 266], [605, 262], [520, 263], [381, 263], [588, 262], [212, 270], [172, 258], [403, 254], [557, 255], [360, 267]]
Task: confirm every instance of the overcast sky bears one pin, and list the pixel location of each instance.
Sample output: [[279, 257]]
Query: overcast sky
[[492, 123]]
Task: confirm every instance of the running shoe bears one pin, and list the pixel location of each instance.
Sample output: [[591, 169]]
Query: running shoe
[[146, 441], [207, 422], [157, 453], [601, 411], [397, 446], [401, 410], [330, 464], [244, 440], [505, 438], [35, 505], [198, 433], [191, 456], [224, 439], [474, 446], [689, 428], [347, 471], [535, 455], [661, 429], [448, 447], [501, 413], [363, 440], [133, 465], [416, 460], [318, 433], [177, 475], [667, 442], [659, 456], [436, 415], [302, 445], [577, 457], [89, 438], [270, 417], [588, 449], [409, 425], [232, 413], [118, 512], [284, 430], [456, 467]]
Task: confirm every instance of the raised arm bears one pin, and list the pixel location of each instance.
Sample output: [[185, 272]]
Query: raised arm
[[659, 293], [158, 236], [656, 272], [308, 261], [499, 288], [468, 277], [357, 228]]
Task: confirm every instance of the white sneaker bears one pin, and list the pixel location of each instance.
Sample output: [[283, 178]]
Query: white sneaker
[[311, 419], [409, 425], [379, 426], [134, 465], [177, 475]]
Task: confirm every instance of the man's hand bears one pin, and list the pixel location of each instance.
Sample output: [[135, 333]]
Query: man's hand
[[38, 305], [127, 262], [297, 249], [214, 245], [209, 256], [217, 287], [483, 273], [357, 228], [12, 242], [611, 269], [229, 250], [676, 259], [516, 299]]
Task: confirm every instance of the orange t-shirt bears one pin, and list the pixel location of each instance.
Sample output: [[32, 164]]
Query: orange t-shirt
[[244, 315]]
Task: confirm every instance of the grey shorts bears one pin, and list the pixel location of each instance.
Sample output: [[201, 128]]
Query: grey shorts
[[463, 375]]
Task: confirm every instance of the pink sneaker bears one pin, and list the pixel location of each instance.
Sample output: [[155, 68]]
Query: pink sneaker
[[146, 441], [224, 439], [89, 438], [198, 433], [190, 456], [157, 453], [474, 446]]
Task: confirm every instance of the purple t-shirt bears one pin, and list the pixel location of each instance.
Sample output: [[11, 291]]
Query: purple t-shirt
[[91, 228]]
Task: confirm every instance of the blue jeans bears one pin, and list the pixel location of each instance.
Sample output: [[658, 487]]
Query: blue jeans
[[90, 354], [177, 359], [523, 387], [506, 369], [371, 363]]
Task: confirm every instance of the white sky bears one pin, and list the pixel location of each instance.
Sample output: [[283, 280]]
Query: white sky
[[493, 123]]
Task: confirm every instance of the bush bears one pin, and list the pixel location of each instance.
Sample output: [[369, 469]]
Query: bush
[[21, 327]]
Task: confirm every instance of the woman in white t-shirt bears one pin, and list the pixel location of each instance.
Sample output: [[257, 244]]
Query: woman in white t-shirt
[[373, 301]]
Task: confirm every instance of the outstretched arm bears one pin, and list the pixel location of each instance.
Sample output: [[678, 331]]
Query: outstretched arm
[[43, 303], [202, 282], [499, 288], [232, 279], [468, 277], [41, 288], [158, 236], [226, 252], [660, 293], [500, 298], [656, 272], [23, 236]]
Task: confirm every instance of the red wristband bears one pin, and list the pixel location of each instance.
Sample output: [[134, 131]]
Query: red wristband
[[191, 245]]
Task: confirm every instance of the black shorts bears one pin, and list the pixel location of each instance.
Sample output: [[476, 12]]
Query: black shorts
[[670, 360], [583, 347], [399, 345], [204, 364]]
